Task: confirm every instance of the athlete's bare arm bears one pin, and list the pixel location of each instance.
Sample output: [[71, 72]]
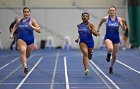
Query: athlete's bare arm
[[121, 22], [101, 22], [93, 29], [77, 40], [35, 25], [14, 28]]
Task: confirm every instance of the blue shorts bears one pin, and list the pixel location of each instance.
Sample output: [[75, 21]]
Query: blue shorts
[[28, 41], [114, 39], [90, 44]]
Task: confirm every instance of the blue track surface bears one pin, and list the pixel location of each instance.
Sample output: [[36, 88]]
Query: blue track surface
[[63, 69]]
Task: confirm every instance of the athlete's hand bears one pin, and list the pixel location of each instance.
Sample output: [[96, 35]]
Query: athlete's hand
[[11, 36], [123, 20], [77, 40]]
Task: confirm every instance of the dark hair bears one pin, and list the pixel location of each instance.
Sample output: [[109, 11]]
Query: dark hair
[[26, 8], [85, 13], [112, 7]]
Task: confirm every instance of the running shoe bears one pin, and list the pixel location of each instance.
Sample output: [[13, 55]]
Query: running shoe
[[90, 55], [86, 72], [25, 70], [110, 70], [108, 57]]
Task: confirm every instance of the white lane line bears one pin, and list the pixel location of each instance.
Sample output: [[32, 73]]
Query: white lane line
[[117, 87], [128, 67], [54, 72], [13, 72], [88, 88], [66, 74], [101, 77], [21, 83], [9, 63], [10, 74]]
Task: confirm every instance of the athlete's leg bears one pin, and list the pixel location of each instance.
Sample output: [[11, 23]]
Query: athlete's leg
[[23, 47], [16, 38], [29, 50], [109, 46], [114, 54], [126, 42], [90, 53], [84, 50]]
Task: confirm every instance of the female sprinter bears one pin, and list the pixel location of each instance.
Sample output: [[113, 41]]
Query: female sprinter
[[112, 38], [25, 28], [85, 39]]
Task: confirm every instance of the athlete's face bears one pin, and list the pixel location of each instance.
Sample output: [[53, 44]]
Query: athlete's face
[[26, 13], [112, 11], [85, 17]]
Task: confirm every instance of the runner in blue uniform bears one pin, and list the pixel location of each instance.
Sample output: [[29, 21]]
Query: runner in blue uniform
[[85, 39], [25, 28], [112, 38]]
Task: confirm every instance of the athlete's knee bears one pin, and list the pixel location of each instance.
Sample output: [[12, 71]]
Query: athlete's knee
[[23, 52], [85, 53], [110, 49]]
